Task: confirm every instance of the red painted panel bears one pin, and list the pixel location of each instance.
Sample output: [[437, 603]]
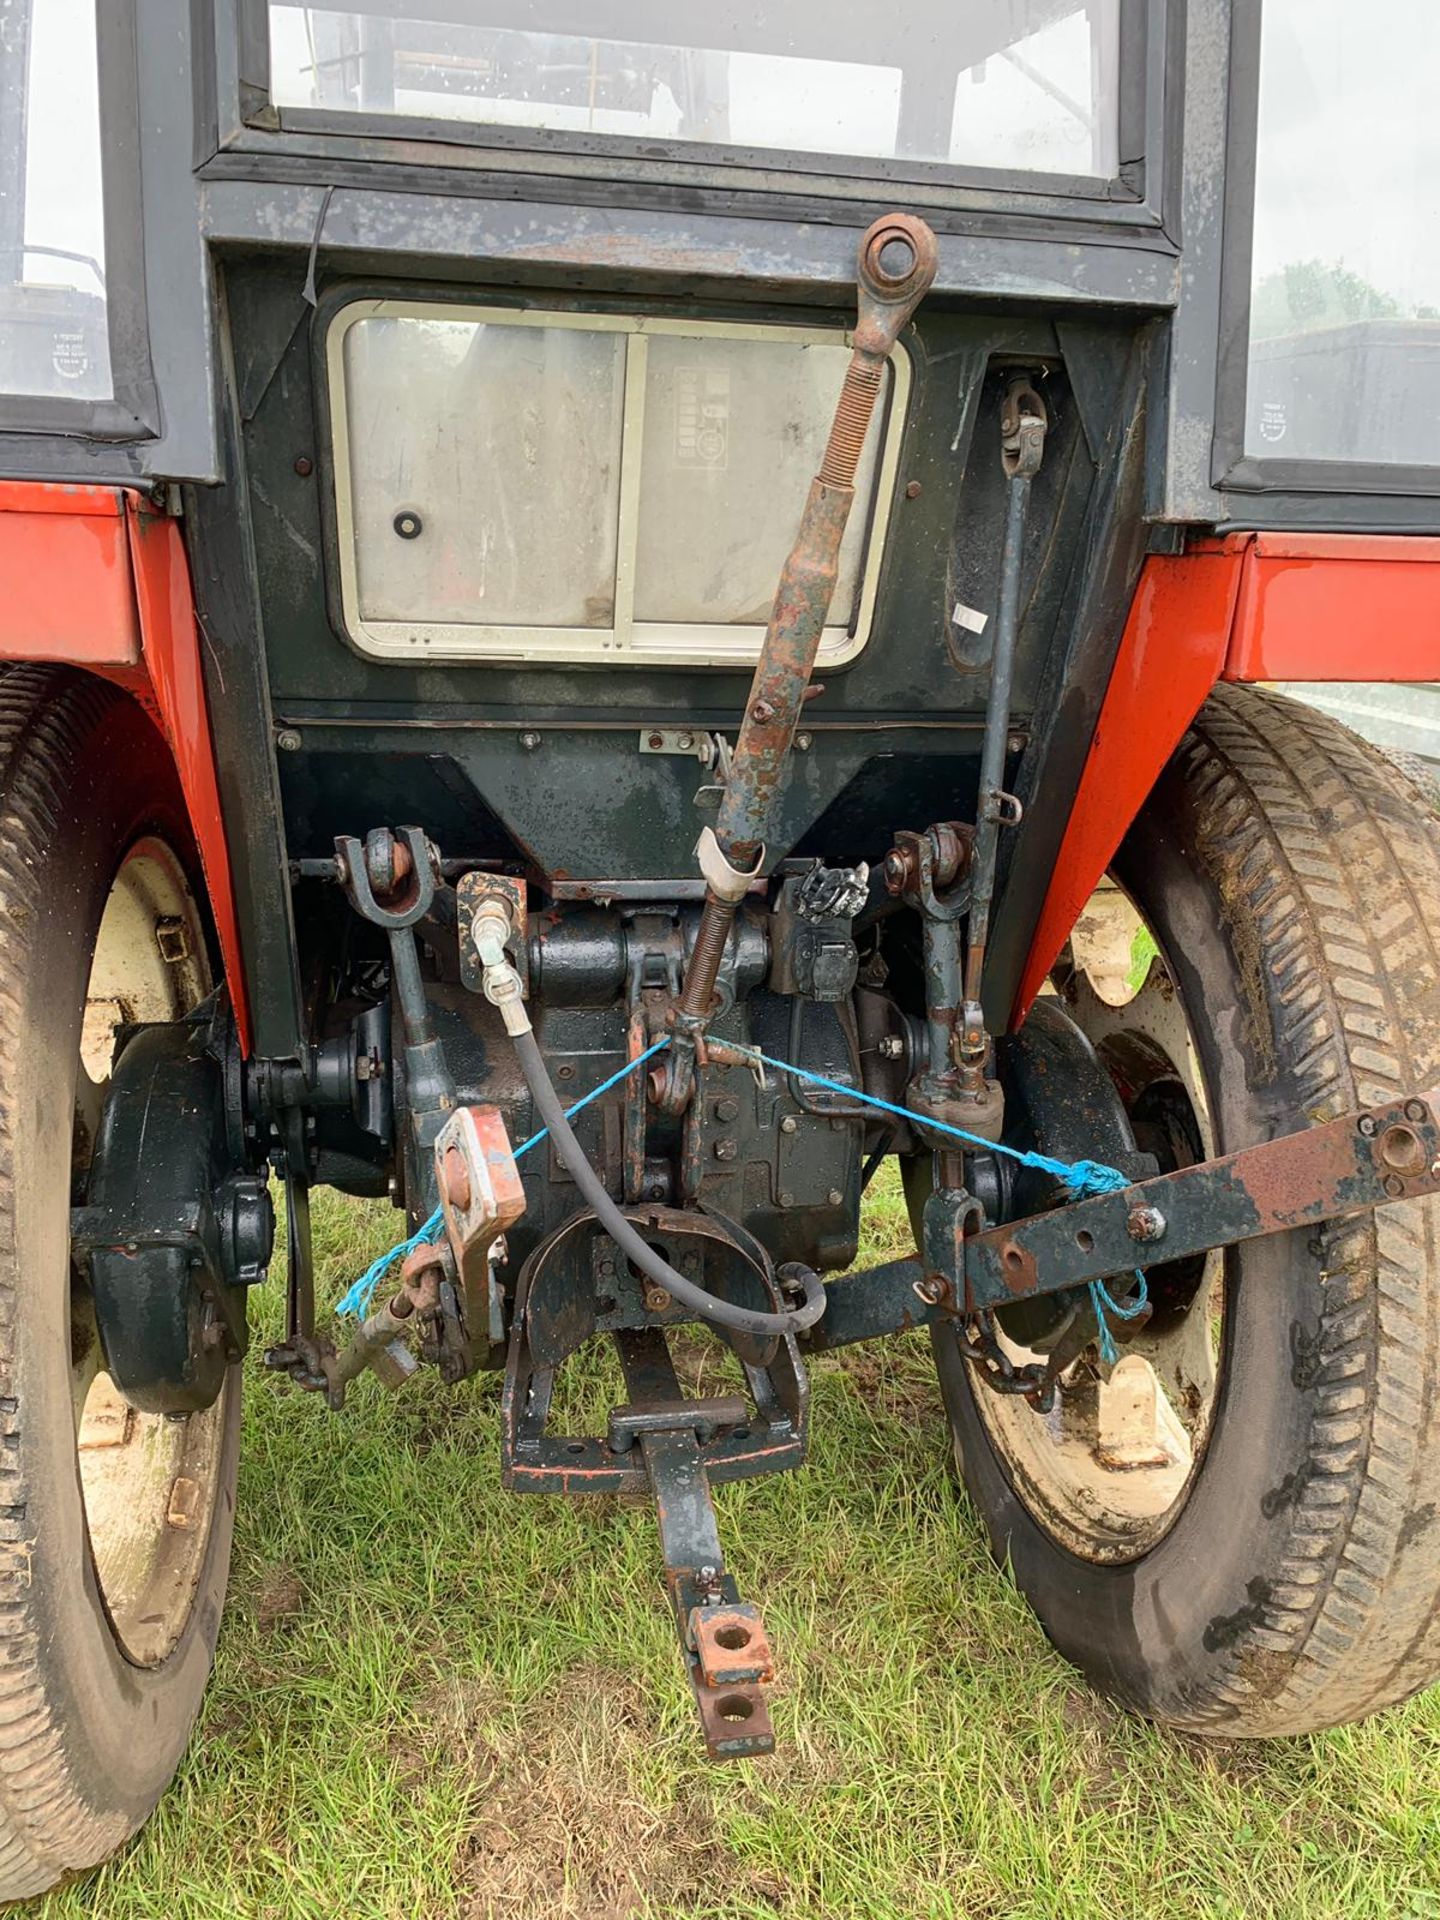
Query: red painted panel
[[65, 586], [1170, 657], [172, 655], [1338, 606], [95, 578]]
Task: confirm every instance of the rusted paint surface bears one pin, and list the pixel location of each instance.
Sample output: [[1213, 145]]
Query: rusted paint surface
[[1349, 1165]]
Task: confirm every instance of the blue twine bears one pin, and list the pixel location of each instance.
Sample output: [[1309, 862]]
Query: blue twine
[[357, 1297], [1081, 1179]]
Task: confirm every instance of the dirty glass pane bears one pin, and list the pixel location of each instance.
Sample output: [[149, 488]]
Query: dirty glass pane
[[484, 466], [53, 338], [1345, 281], [998, 83], [734, 433]]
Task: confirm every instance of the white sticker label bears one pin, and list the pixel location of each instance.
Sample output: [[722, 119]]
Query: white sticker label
[[970, 618], [702, 417]]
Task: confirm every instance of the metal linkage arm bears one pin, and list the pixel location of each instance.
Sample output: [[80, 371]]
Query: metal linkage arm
[[1344, 1166]]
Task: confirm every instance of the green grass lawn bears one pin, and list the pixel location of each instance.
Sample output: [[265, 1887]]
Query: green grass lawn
[[435, 1698]]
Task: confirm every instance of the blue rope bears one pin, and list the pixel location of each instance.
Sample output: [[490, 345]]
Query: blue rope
[[1081, 1179], [357, 1297]]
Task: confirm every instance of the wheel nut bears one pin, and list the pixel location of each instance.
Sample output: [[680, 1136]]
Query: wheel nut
[[1145, 1223]]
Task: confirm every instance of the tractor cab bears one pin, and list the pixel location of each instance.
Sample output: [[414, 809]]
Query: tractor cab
[[621, 620]]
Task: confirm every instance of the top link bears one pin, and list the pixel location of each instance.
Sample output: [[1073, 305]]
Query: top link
[[896, 266]]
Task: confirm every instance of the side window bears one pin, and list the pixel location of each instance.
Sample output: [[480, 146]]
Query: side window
[[1344, 358], [53, 331]]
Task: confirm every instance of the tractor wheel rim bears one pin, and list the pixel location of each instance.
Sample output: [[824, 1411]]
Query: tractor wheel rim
[[148, 1481], [1108, 1470]]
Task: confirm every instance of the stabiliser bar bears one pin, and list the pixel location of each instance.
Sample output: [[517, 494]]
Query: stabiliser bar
[[1360, 1161]]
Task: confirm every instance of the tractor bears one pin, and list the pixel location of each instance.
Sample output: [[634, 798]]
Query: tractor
[[616, 616]]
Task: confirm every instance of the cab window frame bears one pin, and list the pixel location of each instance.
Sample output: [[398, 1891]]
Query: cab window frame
[[1234, 470], [131, 412]]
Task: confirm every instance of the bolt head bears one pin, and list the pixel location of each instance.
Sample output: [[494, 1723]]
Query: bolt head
[[1145, 1223], [288, 740], [913, 489], [1367, 1125], [891, 1046], [835, 1197], [789, 1123], [529, 741], [803, 742], [761, 712], [896, 870], [726, 1149], [785, 1199], [304, 465]]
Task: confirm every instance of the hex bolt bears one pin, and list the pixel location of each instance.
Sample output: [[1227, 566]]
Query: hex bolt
[[657, 1298], [803, 742], [655, 742], [288, 740], [1394, 1185], [789, 1123], [727, 1109], [726, 1149], [686, 743], [1145, 1223], [529, 741], [913, 489], [785, 1199], [890, 1046], [1415, 1110], [835, 1197], [1367, 1125]]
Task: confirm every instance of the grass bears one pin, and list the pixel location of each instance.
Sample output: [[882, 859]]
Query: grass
[[433, 1698]]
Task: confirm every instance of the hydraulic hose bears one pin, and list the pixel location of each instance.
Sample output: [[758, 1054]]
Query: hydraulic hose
[[631, 1243]]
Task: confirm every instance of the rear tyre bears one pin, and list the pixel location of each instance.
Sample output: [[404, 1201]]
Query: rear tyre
[[1292, 884], [114, 1525]]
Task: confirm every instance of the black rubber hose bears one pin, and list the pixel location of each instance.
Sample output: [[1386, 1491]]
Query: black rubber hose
[[630, 1243]]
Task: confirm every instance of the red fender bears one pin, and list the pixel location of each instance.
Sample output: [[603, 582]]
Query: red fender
[[1248, 607], [94, 577]]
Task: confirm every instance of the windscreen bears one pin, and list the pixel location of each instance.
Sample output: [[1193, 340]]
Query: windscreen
[[53, 336], [1013, 84], [1344, 361]]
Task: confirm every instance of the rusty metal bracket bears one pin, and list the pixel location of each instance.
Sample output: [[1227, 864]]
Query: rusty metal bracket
[[1344, 1166], [723, 1642]]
